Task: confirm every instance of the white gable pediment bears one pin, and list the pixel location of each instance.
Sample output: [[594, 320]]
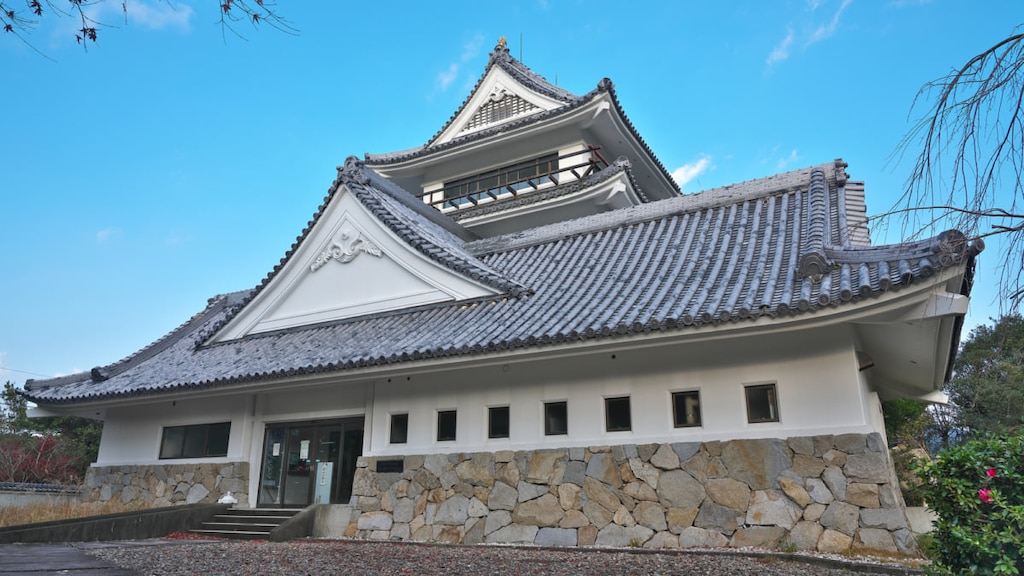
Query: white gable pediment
[[349, 265], [498, 99]]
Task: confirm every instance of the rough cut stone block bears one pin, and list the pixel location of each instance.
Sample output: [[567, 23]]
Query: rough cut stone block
[[729, 493], [436, 464], [679, 519], [870, 467], [662, 540], [888, 518], [530, 491], [665, 458], [622, 517], [477, 509], [836, 481], [197, 493], [863, 495], [504, 456], [403, 510], [502, 497], [678, 489], [822, 444], [795, 491], [645, 451], [773, 508], [577, 454], [543, 511], [598, 515], [514, 534], [876, 444], [874, 539], [644, 471], [805, 535], [574, 519], [600, 494], [474, 532], [841, 517], [819, 492], [802, 445], [807, 466], [619, 536], [758, 463], [602, 467], [685, 450], [375, 521], [556, 537], [586, 535], [547, 466], [834, 458], [569, 496], [717, 517], [477, 471], [697, 466], [833, 542], [497, 519], [851, 443], [640, 491], [575, 472], [651, 515], [757, 536], [693, 537]]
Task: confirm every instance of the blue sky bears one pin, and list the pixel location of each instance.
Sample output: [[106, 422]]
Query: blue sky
[[170, 163]]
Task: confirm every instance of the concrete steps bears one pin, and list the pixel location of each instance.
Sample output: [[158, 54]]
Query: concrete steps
[[246, 523]]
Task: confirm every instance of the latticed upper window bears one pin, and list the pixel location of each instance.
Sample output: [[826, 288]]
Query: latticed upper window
[[496, 110]]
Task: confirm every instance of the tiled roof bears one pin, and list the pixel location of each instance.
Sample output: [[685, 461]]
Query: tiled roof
[[770, 248]]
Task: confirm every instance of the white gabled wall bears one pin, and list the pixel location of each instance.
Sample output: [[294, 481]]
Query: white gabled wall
[[819, 392], [132, 435]]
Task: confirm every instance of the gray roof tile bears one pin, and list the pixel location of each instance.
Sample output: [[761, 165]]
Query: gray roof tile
[[722, 256]]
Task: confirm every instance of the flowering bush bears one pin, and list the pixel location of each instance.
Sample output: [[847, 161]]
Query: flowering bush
[[977, 491]]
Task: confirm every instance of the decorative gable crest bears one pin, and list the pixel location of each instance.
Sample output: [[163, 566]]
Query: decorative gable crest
[[344, 248]]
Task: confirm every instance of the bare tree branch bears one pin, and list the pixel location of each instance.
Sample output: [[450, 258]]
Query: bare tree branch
[[969, 157]]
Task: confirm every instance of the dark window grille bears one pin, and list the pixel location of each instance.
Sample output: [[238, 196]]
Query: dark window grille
[[686, 409], [556, 418], [445, 425], [497, 422], [616, 414], [195, 441], [399, 429], [762, 404], [496, 111]]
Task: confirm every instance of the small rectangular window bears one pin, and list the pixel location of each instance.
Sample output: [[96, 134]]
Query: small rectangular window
[[556, 418], [762, 404], [497, 422], [195, 441], [616, 414], [399, 429], [445, 425], [686, 409]]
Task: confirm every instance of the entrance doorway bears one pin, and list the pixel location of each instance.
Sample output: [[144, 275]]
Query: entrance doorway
[[310, 462]]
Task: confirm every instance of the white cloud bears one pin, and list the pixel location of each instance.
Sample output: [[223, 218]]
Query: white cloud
[[160, 15], [825, 30], [687, 172], [781, 51], [107, 234], [787, 160], [469, 52]]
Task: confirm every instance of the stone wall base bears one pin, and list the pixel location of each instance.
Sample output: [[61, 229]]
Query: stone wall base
[[167, 485], [824, 493]]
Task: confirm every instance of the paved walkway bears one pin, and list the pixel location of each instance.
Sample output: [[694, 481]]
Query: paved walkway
[[69, 559]]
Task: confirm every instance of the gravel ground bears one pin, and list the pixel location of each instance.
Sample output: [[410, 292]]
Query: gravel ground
[[387, 558]]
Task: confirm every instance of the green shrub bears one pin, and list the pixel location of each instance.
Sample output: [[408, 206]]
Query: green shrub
[[977, 491]]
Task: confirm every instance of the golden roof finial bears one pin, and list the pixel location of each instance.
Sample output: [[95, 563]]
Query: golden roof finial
[[501, 42]]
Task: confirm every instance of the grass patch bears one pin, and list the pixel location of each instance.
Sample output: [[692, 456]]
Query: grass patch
[[50, 511]]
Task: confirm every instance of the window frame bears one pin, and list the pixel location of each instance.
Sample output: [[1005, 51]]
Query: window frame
[[182, 452], [490, 422], [549, 430], [608, 416], [394, 418], [441, 418], [773, 402], [678, 394]]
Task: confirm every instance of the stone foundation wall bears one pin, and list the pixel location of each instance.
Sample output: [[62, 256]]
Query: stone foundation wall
[[825, 493], [167, 485]]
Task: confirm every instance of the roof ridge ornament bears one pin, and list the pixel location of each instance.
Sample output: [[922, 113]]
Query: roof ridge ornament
[[500, 51], [352, 171], [813, 262]]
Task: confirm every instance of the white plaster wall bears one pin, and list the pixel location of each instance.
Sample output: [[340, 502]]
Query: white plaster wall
[[819, 392], [132, 435]]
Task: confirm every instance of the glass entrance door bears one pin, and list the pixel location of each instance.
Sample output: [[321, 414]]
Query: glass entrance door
[[309, 463]]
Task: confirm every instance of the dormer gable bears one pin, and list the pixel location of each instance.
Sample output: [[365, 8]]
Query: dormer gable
[[507, 91], [370, 249]]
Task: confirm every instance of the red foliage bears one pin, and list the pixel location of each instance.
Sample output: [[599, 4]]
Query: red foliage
[[40, 460]]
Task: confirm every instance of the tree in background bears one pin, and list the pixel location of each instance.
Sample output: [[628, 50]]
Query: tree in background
[[986, 392], [56, 449], [969, 156], [22, 21]]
